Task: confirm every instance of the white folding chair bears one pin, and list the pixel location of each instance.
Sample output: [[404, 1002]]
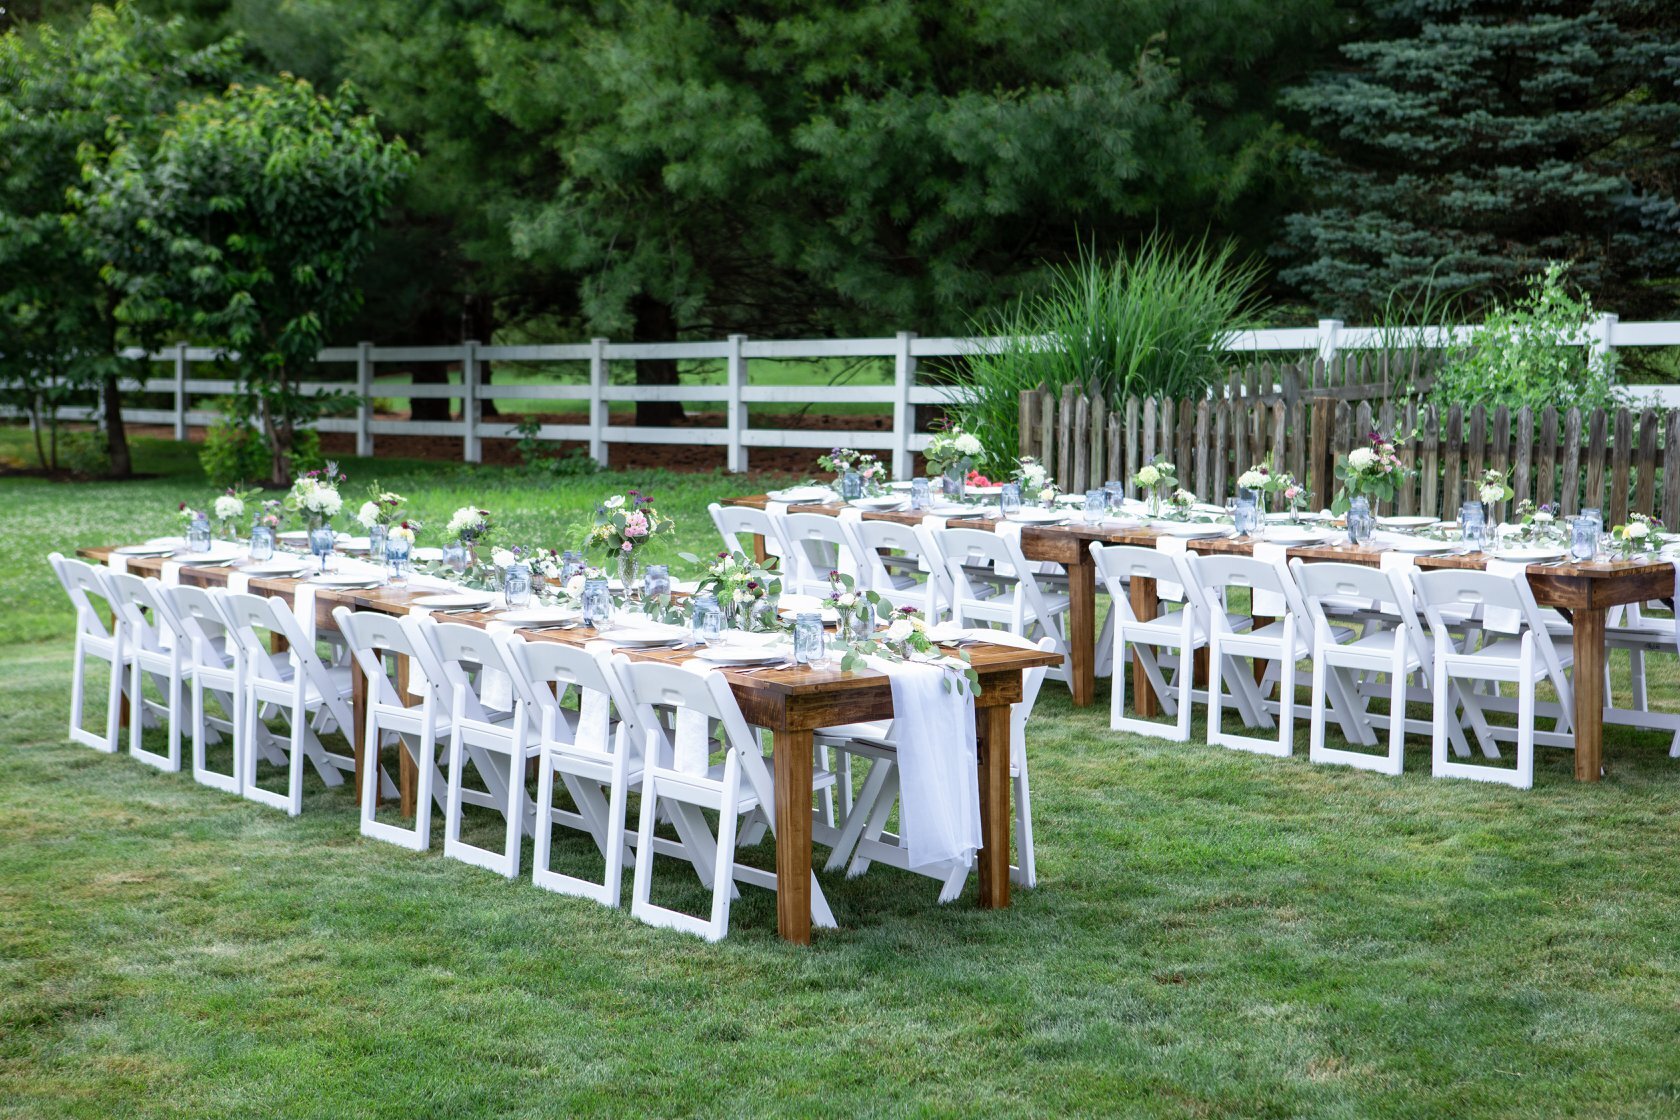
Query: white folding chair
[[977, 564], [1515, 647], [817, 545], [1183, 630], [376, 640], [313, 698], [734, 523], [497, 742], [916, 575], [1391, 642], [150, 652], [680, 778], [216, 667], [595, 756], [1232, 638], [1639, 635], [863, 838], [84, 583]]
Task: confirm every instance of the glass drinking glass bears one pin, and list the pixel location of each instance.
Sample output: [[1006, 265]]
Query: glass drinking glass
[[396, 561], [321, 544], [455, 556], [862, 621], [198, 535], [262, 542], [1472, 523], [1009, 500], [708, 621], [1244, 516], [656, 583], [597, 603], [1361, 522], [921, 495], [1116, 491], [516, 586], [376, 542], [809, 647], [1096, 505]]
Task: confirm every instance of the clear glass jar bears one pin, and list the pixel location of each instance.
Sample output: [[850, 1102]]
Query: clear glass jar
[[921, 495], [1584, 532], [455, 556], [707, 619], [597, 603], [198, 535], [809, 644], [955, 480], [1361, 523], [1009, 500], [397, 552], [376, 542], [1096, 505], [851, 486], [656, 583], [262, 542], [571, 564], [1244, 517], [516, 585], [1472, 525], [321, 544], [861, 625]]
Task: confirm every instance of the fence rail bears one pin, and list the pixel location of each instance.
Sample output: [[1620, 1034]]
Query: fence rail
[[1338, 362], [1619, 461]]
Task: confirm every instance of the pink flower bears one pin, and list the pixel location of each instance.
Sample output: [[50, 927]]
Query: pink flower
[[628, 547], [636, 524]]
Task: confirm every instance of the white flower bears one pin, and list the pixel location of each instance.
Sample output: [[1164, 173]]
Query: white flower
[[968, 444], [501, 557], [1048, 494], [368, 515], [1184, 498], [900, 630], [613, 502], [464, 520], [1362, 458], [401, 533], [1251, 480], [846, 600], [1148, 476], [575, 584], [229, 507], [1636, 531], [1543, 518], [327, 501], [1492, 493], [743, 596]]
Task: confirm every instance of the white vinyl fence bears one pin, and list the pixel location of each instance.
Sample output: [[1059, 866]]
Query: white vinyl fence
[[737, 353]]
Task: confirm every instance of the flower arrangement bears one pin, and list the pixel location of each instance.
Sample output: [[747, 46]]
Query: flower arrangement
[[625, 523], [1180, 502], [273, 514], [1373, 472], [745, 589], [1294, 493], [845, 599], [187, 514], [403, 531], [905, 638], [230, 509], [975, 478], [949, 448], [315, 495], [1538, 523], [1035, 481], [1636, 537], [1157, 478], [383, 507], [1493, 488], [869, 468], [469, 524]]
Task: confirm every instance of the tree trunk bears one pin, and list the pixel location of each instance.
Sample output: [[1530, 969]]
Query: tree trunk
[[478, 322], [35, 422], [655, 322], [116, 435]]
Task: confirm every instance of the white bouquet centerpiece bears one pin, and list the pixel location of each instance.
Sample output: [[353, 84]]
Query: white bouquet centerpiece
[[469, 524], [230, 510], [315, 495], [1157, 479], [1035, 482], [950, 449]]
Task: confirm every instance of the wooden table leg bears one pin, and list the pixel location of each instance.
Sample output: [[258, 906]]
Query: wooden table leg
[[991, 727], [358, 732], [1145, 604], [760, 553], [407, 776], [1082, 628], [793, 835], [1589, 693]]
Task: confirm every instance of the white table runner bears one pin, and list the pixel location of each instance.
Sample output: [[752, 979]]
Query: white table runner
[[939, 814]]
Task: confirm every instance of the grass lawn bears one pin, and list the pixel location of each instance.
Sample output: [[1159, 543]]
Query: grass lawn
[[1215, 934]]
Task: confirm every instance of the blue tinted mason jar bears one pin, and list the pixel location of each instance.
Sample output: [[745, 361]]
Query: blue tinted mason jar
[[809, 646]]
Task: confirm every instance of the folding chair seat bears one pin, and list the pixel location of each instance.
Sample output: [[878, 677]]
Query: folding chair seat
[[1514, 647], [902, 564], [312, 698], [216, 667], [84, 583], [382, 645], [1183, 630], [863, 838], [977, 562], [150, 651], [680, 778], [498, 744], [594, 755]]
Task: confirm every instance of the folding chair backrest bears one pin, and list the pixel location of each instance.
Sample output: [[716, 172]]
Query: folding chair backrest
[[196, 621], [543, 671], [84, 583], [252, 620], [1495, 603], [459, 649], [912, 542], [1121, 563], [131, 597], [1216, 576], [652, 685], [736, 522], [1373, 589], [371, 636], [818, 543]]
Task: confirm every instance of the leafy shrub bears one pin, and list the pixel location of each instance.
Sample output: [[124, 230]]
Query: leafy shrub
[[85, 454], [1155, 322], [1534, 352], [571, 464], [236, 451]]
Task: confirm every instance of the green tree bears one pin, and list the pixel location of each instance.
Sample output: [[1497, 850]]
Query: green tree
[[245, 228], [1465, 143], [65, 97]]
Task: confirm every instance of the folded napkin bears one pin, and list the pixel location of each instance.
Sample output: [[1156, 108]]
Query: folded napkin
[[1172, 546], [939, 813], [1269, 604], [1394, 561], [117, 562]]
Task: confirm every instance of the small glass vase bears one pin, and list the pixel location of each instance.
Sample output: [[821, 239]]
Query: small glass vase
[[955, 480], [376, 543], [396, 562], [262, 542], [458, 555], [629, 576], [1361, 523]]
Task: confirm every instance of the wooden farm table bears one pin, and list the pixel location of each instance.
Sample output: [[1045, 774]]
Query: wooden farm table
[[791, 703], [1585, 592]]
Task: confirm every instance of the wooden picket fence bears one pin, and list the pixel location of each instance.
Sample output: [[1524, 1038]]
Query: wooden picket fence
[[1618, 461], [1362, 375]]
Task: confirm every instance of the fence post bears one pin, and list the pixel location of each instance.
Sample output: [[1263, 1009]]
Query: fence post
[[180, 391], [1329, 339], [364, 408], [597, 400], [904, 413], [736, 417], [1601, 335], [471, 450]]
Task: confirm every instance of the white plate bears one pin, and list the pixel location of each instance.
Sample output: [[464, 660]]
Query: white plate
[[1189, 529], [1208, 507], [1277, 534], [144, 550], [1420, 545], [645, 634], [983, 491], [797, 602], [361, 544], [1405, 522], [1038, 516], [828, 614], [540, 616], [952, 509], [346, 581], [902, 484], [885, 502], [455, 600], [801, 494], [742, 655], [1530, 555], [301, 536]]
